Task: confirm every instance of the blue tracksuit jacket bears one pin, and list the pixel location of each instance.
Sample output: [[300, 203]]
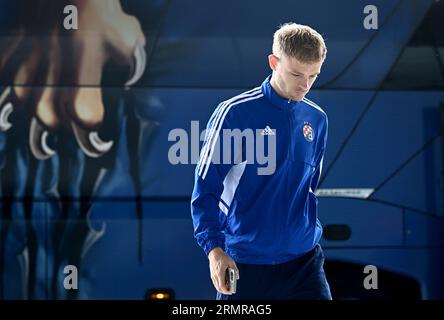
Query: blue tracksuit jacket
[[261, 218]]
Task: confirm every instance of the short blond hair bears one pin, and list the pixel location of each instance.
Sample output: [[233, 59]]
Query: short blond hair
[[300, 42]]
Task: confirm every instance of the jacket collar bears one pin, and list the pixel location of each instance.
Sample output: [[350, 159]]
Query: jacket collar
[[276, 99]]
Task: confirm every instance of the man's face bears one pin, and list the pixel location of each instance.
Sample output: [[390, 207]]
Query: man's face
[[292, 77]]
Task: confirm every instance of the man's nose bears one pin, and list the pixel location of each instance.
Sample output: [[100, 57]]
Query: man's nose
[[305, 84]]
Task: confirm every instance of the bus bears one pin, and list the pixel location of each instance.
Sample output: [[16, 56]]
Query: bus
[[117, 225]]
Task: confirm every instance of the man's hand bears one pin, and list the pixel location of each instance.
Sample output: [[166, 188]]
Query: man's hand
[[219, 262]]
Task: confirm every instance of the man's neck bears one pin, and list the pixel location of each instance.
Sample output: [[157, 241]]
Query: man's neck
[[277, 89]]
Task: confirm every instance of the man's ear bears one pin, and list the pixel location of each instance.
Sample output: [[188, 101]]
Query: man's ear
[[273, 61]]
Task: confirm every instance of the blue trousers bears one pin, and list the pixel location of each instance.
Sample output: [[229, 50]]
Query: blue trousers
[[300, 279]]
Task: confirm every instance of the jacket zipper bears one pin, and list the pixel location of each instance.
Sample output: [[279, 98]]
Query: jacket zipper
[[290, 129]]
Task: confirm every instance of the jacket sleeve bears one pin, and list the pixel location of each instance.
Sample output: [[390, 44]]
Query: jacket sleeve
[[208, 210], [319, 163]]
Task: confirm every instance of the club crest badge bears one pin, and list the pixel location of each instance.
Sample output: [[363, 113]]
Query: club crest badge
[[308, 132]]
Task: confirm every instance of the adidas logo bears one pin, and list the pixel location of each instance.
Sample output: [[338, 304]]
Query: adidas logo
[[267, 131]]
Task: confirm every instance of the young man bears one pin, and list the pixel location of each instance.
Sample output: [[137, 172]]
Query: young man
[[265, 226]]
